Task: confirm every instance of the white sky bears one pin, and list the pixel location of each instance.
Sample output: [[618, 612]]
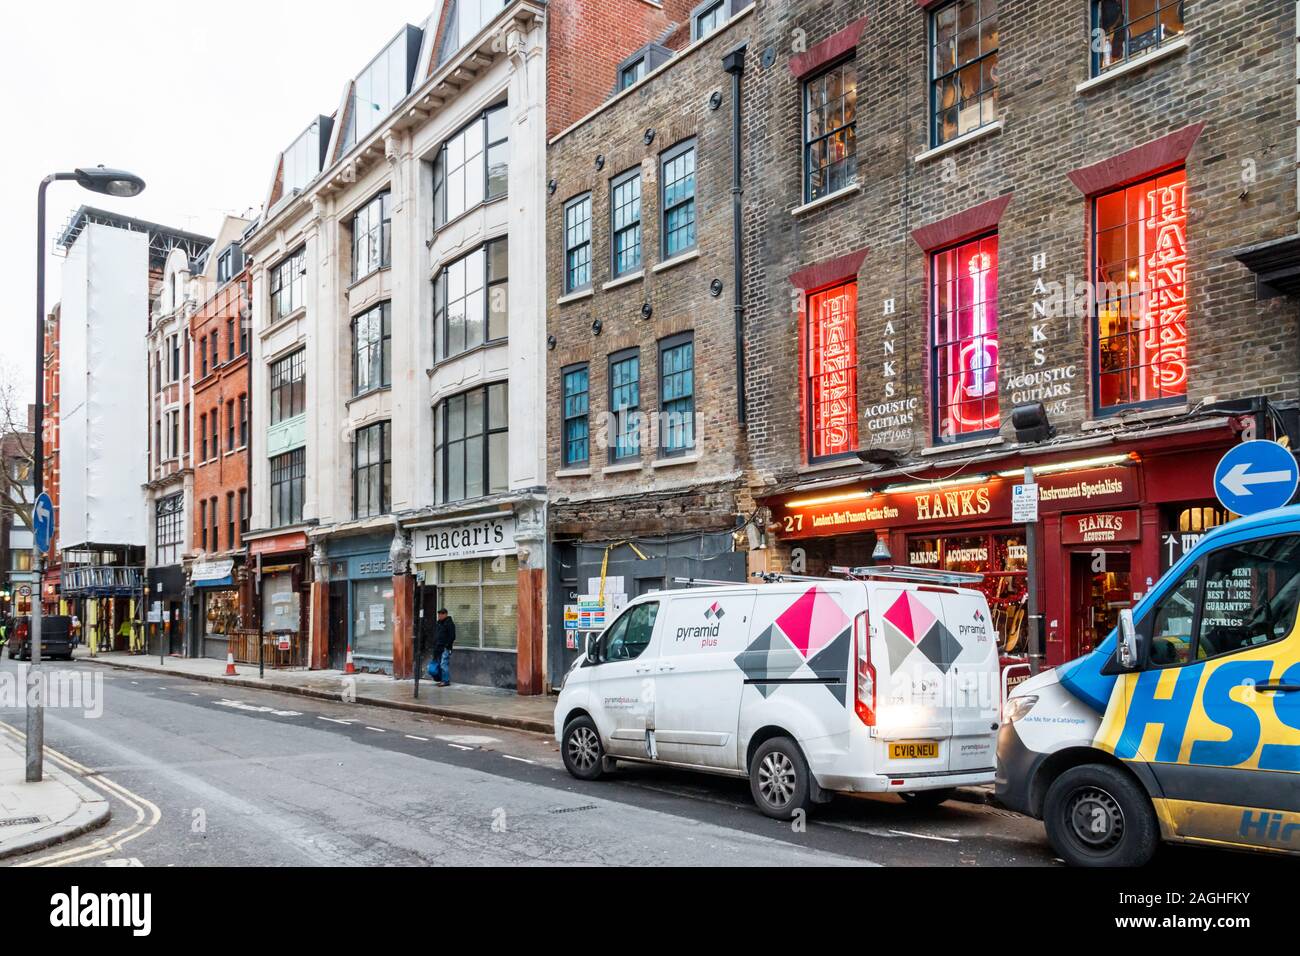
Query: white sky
[[196, 98]]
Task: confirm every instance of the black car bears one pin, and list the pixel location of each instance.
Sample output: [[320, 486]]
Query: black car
[[56, 638]]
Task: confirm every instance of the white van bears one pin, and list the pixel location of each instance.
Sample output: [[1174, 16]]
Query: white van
[[885, 681]]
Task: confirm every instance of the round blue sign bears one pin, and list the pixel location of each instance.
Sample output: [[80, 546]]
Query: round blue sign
[[1256, 476]]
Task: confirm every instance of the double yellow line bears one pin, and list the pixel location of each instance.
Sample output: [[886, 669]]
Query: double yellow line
[[146, 813]]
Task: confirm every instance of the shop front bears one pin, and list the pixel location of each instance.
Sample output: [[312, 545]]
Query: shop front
[[281, 570], [361, 603], [471, 568], [217, 611], [166, 609], [1109, 525]]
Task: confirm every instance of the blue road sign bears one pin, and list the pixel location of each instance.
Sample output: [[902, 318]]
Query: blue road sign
[[1256, 476], [43, 523]]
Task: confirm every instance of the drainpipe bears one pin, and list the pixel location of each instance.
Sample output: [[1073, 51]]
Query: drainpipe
[[734, 63]]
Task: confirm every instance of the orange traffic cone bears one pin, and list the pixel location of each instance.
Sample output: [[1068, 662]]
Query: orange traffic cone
[[230, 664], [350, 668]]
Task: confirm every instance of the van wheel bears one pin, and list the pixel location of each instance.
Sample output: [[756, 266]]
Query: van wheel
[[1098, 816], [583, 753], [778, 779], [929, 798]]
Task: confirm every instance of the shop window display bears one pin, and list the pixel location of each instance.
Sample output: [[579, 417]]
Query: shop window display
[[1002, 558]]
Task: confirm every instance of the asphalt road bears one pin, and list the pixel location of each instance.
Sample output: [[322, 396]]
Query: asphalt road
[[203, 775]]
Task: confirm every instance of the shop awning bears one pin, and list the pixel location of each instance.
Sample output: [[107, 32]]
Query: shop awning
[[212, 574], [1276, 265]]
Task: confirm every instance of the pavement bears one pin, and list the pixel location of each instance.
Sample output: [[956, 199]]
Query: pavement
[[34, 816], [481, 705]]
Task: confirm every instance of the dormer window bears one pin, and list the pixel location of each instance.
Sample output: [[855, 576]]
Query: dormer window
[[631, 73], [382, 85], [707, 17]]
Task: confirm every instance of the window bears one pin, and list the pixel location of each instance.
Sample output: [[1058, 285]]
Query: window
[[708, 17], [631, 74], [677, 199], [289, 387], [230, 520], [1235, 599], [288, 477], [243, 511], [174, 429], [174, 349], [372, 348], [372, 237], [473, 166], [230, 340], [577, 243], [964, 306], [216, 356], [203, 355], [1140, 276], [203, 436], [629, 636], [577, 407], [1122, 29], [228, 263], [482, 595], [302, 160], [379, 87], [832, 372], [243, 421], [625, 221], [471, 300], [471, 441], [203, 526], [286, 287], [212, 510], [186, 417], [625, 405], [214, 416], [468, 18], [372, 466], [243, 333], [677, 394], [157, 372], [169, 520], [830, 131], [963, 68], [230, 425]]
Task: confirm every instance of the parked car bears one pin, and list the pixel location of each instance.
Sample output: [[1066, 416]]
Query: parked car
[[1184, 724], [57, 639], [886, 681]]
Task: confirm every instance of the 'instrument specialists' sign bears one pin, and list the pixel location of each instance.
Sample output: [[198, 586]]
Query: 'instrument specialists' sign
[[473, 539]]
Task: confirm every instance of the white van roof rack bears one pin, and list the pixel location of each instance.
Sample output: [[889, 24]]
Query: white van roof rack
[[707, 583], [925, 575]]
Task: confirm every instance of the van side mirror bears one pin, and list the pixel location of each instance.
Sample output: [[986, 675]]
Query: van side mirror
[[1128, 641], [593, 648]]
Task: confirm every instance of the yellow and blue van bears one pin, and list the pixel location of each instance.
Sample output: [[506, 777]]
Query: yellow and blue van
[[1184, 725]]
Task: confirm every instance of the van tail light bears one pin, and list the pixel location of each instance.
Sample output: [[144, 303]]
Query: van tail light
[[864, 685]]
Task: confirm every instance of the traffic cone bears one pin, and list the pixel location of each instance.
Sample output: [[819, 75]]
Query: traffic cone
[[230, 664], [350, 668]]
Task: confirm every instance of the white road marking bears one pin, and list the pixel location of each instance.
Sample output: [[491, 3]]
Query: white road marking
[[240, 705], [460, 747], [423, 740], [378, 730], [127, 861], [519, 759], [925, 836], [468, 740], [332, 720], [881, 832]]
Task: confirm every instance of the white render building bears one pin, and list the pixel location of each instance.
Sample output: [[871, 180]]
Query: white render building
[[398, 414]]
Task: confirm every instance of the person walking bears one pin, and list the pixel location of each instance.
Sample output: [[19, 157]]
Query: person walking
[[444, 636]]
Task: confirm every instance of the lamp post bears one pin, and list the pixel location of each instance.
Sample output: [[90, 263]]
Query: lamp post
[[110, 182]]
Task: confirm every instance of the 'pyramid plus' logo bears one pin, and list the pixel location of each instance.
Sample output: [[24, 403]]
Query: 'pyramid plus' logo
[[706, 633]]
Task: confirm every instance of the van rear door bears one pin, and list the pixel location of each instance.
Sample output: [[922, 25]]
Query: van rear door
[[973, 682], [911, 652]]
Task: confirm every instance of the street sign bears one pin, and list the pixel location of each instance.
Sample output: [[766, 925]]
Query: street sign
[[43, 523], [1256, 476], [1024, 504]]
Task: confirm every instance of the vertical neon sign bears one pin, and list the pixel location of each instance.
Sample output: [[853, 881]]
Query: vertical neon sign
[[833, 371], [965, 304], [1164, 338]]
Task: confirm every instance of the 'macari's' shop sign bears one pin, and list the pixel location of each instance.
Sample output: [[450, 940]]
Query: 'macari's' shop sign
[[846, 511]]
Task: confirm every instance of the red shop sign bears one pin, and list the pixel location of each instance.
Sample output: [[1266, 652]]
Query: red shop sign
[[1101, 527], [294, 541], [849, 511], [833, 370]]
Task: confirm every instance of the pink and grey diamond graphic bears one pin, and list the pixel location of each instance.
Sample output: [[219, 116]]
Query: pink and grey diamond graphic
[[809, 639], [915, 626], [812, 622], [715, 613]]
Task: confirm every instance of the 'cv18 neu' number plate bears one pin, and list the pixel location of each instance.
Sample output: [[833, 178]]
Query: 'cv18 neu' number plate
[[914, 750]]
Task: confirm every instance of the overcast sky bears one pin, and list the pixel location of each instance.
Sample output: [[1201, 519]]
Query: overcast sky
[[196, 98]]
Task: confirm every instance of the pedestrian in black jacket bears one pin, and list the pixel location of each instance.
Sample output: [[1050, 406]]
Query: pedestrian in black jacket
[[444, 636]]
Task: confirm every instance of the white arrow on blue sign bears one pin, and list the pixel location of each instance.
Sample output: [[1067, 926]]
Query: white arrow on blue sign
[[43, 523], [1256, 476]]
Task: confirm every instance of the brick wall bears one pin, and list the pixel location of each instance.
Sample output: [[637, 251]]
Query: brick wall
[[678, 497], [1236, 77]]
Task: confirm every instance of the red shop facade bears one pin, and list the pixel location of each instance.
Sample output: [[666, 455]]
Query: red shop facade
[[1111, 521]]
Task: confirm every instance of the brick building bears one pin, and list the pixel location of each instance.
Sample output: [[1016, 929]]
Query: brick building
[[18, 576], [646, 464], [218, 593], [952, 212]]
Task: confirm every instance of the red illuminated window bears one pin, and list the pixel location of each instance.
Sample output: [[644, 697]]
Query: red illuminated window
[[833, 372], [1140, 256], [964, 304]]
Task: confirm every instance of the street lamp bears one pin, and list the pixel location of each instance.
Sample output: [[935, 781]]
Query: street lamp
[[109, 182]]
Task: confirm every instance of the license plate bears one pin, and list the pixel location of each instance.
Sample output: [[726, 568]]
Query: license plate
[[914, 750]]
